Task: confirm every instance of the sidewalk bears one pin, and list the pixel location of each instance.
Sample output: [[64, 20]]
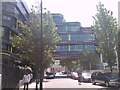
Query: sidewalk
[[32, 85]]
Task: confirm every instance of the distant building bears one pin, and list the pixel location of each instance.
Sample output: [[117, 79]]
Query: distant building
[[75, 39], [12, 14]]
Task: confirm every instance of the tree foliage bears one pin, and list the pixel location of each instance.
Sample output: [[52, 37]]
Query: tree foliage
[[84, 60], [88, 60], [71, 65], [29, 42], [106, 33]]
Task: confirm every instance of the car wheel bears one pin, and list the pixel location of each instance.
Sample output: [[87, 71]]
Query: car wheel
[[93, 82], [107, 84]]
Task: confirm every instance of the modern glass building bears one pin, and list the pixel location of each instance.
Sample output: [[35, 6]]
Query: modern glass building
[[12, 14], [75, 39]]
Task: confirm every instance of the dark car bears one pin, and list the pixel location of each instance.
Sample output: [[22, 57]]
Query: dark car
[[86, 77], [50, 75], [106, 78]]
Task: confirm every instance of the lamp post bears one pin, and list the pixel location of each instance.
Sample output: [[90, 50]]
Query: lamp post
[[41, 61], [119, 54]]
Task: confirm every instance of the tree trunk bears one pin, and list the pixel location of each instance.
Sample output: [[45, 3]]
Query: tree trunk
[[41, 78], [36, 85], [41, 84], [37, 77]]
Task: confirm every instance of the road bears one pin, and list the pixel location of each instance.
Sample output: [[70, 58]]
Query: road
[[69, 84]]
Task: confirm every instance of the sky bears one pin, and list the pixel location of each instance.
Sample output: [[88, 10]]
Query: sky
[[77, 10]]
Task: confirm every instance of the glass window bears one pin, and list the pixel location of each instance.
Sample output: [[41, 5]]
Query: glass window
[[6, 17], [58, 20], [17, 11], [9, 48], [73, 28], [9, 7], [64, 37], [82, 37], [22, 9], [89, 47], [76, 47], [63, 48], [72, 48], [92, 36], [5, 33], [77, 37], [74, 37], [4, 46], [79, 47], [60, 28], [88, 37], [65, 28]]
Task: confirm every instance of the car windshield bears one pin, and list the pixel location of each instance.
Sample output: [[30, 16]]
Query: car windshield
[[49, 73]]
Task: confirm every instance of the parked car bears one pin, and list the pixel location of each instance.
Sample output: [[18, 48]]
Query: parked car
[[74, 75], [64, 72], [86, 77], [69, 74], [106, 78], [50, 75]]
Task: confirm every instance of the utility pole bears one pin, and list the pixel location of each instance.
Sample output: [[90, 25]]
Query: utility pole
[[118, 39], [119, 53], [41, 59]]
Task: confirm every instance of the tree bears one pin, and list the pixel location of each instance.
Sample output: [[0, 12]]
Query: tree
[[29, 41], [69, 64], [106, 33], [88, 60]]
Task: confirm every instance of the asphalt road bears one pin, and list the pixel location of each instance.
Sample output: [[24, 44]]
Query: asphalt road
[[68, 83]]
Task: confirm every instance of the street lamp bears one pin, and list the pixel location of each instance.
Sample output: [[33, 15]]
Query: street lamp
[[119, 54], [41, 61]]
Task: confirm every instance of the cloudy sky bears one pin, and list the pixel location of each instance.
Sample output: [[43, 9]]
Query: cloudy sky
[[77, 10]]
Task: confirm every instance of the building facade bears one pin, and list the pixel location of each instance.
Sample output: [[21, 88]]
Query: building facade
[[12, 14], [75, 39]]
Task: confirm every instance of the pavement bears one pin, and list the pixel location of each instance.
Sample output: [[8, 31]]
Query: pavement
[[33, 84]]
